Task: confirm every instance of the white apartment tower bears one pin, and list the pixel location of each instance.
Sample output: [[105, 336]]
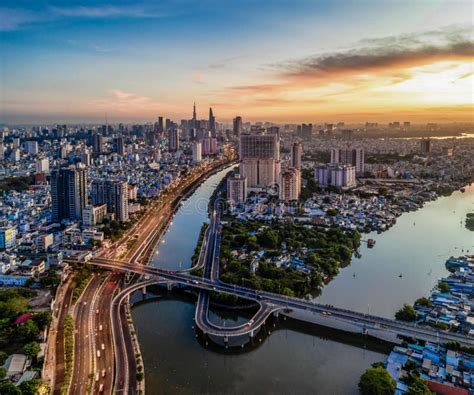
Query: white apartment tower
[[236, 188]]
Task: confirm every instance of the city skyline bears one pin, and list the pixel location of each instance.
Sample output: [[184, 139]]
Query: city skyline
[[75, 62]]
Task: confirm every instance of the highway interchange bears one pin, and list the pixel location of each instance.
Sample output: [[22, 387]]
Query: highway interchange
[[102, 338], [101, 323]]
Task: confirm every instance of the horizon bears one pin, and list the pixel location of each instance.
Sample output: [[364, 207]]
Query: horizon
[[73, 62]]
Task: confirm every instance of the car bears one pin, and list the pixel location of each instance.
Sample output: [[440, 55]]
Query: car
[[100, 327], [250, 322], [97, 376], [97, 311], [103, 372], [98, 353], [102, 347]]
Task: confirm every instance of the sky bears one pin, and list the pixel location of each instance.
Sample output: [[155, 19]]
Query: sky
[[280, 60]]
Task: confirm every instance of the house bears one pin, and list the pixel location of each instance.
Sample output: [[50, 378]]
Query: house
[[15, 365]]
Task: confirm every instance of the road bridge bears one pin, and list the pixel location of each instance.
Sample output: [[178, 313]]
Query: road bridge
[[330, 316]]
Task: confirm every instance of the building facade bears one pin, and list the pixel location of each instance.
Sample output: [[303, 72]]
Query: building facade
[[114, 194], [339, 176], [354, 157], [290, 184], [236, 189], [68, 192]]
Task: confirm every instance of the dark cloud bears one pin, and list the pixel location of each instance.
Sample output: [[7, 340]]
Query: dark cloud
[[387, 53]]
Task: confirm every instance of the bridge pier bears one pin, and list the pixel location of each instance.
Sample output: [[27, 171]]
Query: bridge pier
[[252, 334], [144, 290], [226, 340], [169, 286]]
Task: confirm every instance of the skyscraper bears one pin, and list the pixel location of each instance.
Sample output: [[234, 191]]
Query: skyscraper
[[237, 126], [97, 144], [194, 120], [68, 192], [119, 146], [160, 125], [173, 140], [212, 121], [114, 194], [296, 152]]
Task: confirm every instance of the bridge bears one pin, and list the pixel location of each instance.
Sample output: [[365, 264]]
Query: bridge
[[330, 316]]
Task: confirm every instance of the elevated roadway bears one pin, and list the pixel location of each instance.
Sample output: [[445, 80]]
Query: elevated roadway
[[368, 324]]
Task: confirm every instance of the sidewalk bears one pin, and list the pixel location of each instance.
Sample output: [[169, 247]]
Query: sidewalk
[[49, 365]]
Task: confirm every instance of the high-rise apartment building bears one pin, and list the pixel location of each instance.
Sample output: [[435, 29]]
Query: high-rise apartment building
[[425, 146], [212, 122], [68, 192], [161, 126], [119, 145], [237, 126], [209, 146], [236, 188], [305, 131], [339, 176], [31, 147], [290, 184], [173, 140], [296, 153], [197, 151], [42, 165], [353, 157], [259, 158], [114, 194], [97, 144]]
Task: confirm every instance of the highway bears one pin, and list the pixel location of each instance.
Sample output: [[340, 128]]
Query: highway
[[98, 324], [369, 322], [84, 337]]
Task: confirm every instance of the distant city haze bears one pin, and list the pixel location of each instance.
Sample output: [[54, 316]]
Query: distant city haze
[[304, 61]]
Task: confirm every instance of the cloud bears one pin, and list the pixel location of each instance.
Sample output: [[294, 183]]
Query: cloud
[[12, 19], [16, 18], [106, 11], [361, 68], [389, 53]]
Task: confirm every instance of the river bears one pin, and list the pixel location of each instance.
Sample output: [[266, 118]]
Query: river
[[292, 360]]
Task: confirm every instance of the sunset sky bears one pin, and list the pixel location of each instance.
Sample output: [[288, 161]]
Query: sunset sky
[[283, 61]]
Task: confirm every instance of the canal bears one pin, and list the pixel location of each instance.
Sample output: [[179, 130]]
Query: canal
[[293, 360]]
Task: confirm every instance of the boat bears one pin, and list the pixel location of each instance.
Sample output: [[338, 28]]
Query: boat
[[370, 243], [400, 275], [463, 190]]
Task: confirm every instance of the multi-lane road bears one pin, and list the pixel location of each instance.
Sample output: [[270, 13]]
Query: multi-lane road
[[96, 325], [369, 322]]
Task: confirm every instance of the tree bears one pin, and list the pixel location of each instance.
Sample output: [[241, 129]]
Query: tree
[[418, 387], [28, 331], [3, 357], [406, 313], [32, 349], [443, 287], [8, 388], [43, 319], [29, 387], [140, 376], [377, 381], [3, 373], [51, 280], [424, 302]]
